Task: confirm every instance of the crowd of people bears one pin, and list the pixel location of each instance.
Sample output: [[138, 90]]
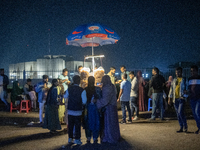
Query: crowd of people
[[93, 105]]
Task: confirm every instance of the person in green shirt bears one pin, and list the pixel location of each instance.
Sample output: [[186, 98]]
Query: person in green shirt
[[111, 74]]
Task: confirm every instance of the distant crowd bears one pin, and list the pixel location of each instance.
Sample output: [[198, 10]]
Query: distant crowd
[[94, 105]]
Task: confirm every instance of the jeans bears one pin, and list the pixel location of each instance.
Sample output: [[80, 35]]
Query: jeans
[[41, 110], [2, 96], [157, 102], [74, 121], [134, 106], [179, 106], [127, 105], [195, 105]]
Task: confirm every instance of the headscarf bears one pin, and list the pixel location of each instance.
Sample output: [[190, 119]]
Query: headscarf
[[140, 78], [106, 80], [15, 91], [139, 74], [53, 84], [16, 88], [169, 81], [90, 89]]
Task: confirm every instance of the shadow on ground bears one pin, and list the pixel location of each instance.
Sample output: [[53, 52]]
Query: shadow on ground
[[19, 139], [122, 145]]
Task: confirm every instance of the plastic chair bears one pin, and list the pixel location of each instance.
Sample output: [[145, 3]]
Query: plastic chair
[[25, 107], [14, 108], [149, 104]]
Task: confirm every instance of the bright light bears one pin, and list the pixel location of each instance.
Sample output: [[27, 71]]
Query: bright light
[[85, 69], [94, 56]]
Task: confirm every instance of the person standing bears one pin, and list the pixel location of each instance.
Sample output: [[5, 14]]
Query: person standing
[[141, 92], [157, 83], [51, 120], [76, 99], [111, 74], [26, 88], [61, 108], [124, 71], [124, 97], [4, 81], [33, 98], [176, 94], [194, 95], [42, 90], [134, 95], [108, 103], [92, 118]]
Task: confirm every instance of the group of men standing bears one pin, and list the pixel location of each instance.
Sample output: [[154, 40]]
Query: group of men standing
[[179, 93], [128, 92]]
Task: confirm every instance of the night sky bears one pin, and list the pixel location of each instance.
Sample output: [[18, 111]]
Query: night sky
[[153, 32]]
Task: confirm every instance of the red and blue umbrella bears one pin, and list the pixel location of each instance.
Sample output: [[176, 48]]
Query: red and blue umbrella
[[92, 35]]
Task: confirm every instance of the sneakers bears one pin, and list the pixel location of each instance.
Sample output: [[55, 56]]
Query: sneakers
[[129, 121], [179, 131], [136, 118], [70, 141], [53, 131], [123, 122], [78, 142], [151, 119]]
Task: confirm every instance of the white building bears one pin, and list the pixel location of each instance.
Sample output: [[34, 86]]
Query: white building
[[51, 65]]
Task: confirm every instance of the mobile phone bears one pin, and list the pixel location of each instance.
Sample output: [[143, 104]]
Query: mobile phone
[[98, 84]]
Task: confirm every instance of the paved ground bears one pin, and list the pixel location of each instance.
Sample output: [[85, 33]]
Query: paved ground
[[15, 133]]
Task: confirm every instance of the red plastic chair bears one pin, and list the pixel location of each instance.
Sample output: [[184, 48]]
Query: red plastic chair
[[14, 108], [25, 105]]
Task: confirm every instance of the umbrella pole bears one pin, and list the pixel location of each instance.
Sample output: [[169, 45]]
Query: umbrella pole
[[93, 56]]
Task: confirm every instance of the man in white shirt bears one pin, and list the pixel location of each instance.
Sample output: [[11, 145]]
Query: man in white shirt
[[134, 95]]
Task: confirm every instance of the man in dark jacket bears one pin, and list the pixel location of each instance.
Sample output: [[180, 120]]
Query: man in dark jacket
[[194, 95], [157, 83], [76, 99], [4, 81]]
